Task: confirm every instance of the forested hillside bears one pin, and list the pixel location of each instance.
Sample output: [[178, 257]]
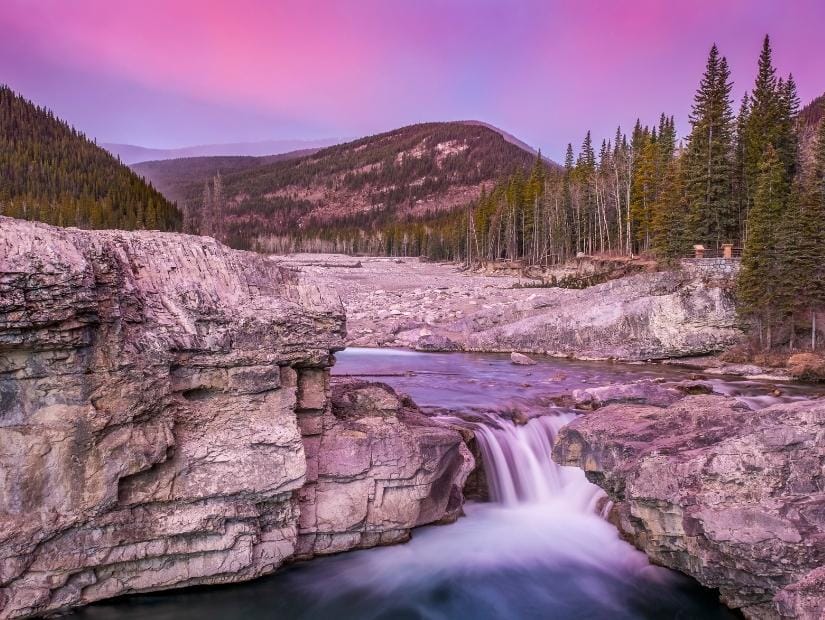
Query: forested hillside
[[52, 173], [410, 174], [752, 178], [176, 177]]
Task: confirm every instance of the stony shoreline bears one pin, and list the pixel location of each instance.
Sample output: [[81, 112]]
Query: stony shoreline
[[439, 307]]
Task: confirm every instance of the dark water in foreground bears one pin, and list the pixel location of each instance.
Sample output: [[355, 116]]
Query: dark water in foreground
[[540, 551]]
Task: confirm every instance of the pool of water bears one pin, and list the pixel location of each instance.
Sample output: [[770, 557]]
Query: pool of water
[[491, 380], [540, 550]]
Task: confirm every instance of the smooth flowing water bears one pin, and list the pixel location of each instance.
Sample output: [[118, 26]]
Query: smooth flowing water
[[540, 549]]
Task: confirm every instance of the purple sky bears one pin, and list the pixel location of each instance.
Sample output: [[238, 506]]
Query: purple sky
[[166, 73]]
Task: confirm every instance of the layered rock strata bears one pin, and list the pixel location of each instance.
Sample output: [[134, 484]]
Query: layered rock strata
[[166, 420], [733, 497]]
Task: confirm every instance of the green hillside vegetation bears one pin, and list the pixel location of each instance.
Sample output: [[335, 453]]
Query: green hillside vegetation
[[52, 173], [409, 174], [172, 177]]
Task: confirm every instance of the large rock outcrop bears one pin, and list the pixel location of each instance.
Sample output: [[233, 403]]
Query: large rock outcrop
[[377, 467], [640, 317], [733, 497], [166, 420], [432, 307]]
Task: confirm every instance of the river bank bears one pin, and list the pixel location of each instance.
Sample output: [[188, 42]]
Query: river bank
[[438, 307], [539, 549]]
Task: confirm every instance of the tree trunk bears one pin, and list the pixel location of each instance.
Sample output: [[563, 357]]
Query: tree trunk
[[813, 330], [793, 333]]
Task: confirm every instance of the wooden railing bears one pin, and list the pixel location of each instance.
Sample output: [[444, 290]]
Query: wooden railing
[[723, 252]]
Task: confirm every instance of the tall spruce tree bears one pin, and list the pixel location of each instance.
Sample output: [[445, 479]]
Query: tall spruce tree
[[709, 157], [759, 286], [739, 178], [643, 185], [763, 125], [787, 138]]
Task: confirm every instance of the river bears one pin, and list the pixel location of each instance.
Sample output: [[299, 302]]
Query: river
[[538, 550]]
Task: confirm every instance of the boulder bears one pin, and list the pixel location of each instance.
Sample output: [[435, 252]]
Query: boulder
[[646, 391], [521, 360], [377, 467], [733, 497]]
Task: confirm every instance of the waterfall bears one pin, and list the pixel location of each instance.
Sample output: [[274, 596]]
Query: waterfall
[[519, 468]]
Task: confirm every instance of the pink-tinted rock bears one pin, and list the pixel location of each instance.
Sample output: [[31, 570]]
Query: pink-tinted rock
[[164, 410], [731, 496], [382, 469]]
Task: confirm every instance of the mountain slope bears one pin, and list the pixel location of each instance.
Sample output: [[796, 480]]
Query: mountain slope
[[132, 153], [52, 173], [807, 124], [412, 173], [172, 177]]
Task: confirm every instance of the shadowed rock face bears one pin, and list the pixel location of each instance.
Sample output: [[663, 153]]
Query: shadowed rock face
[[377, 467], [160, 400], [733, 497]]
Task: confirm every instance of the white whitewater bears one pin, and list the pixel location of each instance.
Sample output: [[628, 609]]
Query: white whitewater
[[519, 468]]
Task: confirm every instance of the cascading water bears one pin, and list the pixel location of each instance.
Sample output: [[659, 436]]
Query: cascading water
[[539, 550], [518, 467]]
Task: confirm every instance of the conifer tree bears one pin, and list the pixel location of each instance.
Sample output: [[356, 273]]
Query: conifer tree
[[669, 225], [642, 193], [788, 141], [739, 181], [759, 284], [708, 161], [763, 126]]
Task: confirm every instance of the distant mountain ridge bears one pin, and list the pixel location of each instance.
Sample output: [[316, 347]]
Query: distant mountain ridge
[[131, 153], [512, 140], [411, 173], [176, 177]]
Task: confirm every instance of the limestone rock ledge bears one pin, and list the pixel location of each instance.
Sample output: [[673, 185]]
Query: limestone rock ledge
[[166, 420], [732, 497], [640, 317]]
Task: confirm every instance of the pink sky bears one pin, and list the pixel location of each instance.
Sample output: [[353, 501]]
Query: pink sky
[[173, 73]]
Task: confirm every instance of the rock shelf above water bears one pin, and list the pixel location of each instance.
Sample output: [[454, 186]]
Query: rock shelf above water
[[439, 307], [166, 420], [730, 496]]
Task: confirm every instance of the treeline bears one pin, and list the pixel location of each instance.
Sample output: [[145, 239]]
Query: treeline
[[52, 173], [639, 193]]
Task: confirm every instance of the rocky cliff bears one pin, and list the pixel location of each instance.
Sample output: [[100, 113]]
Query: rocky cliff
[[167, 419], [733, 497]]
